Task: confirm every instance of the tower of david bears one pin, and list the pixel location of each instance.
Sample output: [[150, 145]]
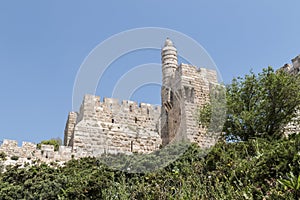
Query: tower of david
[[123, 126]]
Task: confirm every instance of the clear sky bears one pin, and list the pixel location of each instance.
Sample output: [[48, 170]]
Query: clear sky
[[43, 44]]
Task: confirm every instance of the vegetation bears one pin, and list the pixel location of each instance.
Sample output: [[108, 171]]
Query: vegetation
[[2, 159], [14, 158], [253, 161], [56, 142], [261, 105], [245, 170], [2, 155], [256, 106]]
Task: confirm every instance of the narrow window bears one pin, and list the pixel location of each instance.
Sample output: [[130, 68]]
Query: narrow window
[[192, 95], [171, 96], [135, 120], [131, 146], [130, 108], [112, 121], [186, 90]]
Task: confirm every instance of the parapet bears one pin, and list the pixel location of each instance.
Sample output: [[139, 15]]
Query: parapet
[[92, 108], [294, 68], [189, 71], [29, 152]]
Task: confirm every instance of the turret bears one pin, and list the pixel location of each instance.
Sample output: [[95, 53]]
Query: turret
[[296, 64], [169, 62]]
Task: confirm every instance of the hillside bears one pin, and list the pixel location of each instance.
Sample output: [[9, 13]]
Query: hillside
[[243, 170]]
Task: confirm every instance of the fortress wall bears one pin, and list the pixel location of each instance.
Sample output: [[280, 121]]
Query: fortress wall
[[69, 129], [128, 112], [294, 68], [189, 90], [195, 86], [28, 152], [111, 127], [296, 63], [293, 126], [208, 78], [102, 137]]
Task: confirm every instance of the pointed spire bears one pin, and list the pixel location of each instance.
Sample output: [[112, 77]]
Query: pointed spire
[[168, 42]]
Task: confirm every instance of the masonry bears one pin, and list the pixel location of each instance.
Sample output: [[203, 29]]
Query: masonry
[[112, 127], [293, 69], [28, 153]]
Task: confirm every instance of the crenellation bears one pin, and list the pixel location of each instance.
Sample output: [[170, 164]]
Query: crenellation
[[112, 126], [191, 88], [296, 63], [109, 126], [29, 153]]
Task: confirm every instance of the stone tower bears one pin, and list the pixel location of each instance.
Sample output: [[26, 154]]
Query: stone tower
[[111, 127], [185, 88], [169, 66]]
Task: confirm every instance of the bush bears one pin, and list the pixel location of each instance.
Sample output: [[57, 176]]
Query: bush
[[55, 142], [2, 155], [242, 170], [14, 158]]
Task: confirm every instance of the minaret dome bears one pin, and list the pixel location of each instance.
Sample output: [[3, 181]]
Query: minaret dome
[[169, 61]]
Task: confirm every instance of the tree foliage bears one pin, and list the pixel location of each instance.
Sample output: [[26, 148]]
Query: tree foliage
[[56, 142], [261, 105], [263, 165], [243, 170]]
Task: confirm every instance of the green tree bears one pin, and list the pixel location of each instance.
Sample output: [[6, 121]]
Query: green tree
[[56, 142], [292, 182], [261, 105]]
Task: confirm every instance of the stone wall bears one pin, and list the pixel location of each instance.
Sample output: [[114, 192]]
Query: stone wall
[[28, 153], [185, 90], [190, 90], [69, 129], [111, 127], [196, 85], [294, 68]]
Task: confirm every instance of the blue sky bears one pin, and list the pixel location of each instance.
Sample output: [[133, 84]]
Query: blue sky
[[43, 44]]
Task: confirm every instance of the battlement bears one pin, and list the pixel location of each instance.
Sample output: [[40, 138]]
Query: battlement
[[109, 126], [187, 70], [110, 103], [29, 153], [293, 68], [126, 126], [111, 111]]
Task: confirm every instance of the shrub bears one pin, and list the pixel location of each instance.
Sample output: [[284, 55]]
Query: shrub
[[55, 142], [14, 158], [2, 155]]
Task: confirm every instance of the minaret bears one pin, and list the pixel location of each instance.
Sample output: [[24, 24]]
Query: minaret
[[169, 62], [169, 66]]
